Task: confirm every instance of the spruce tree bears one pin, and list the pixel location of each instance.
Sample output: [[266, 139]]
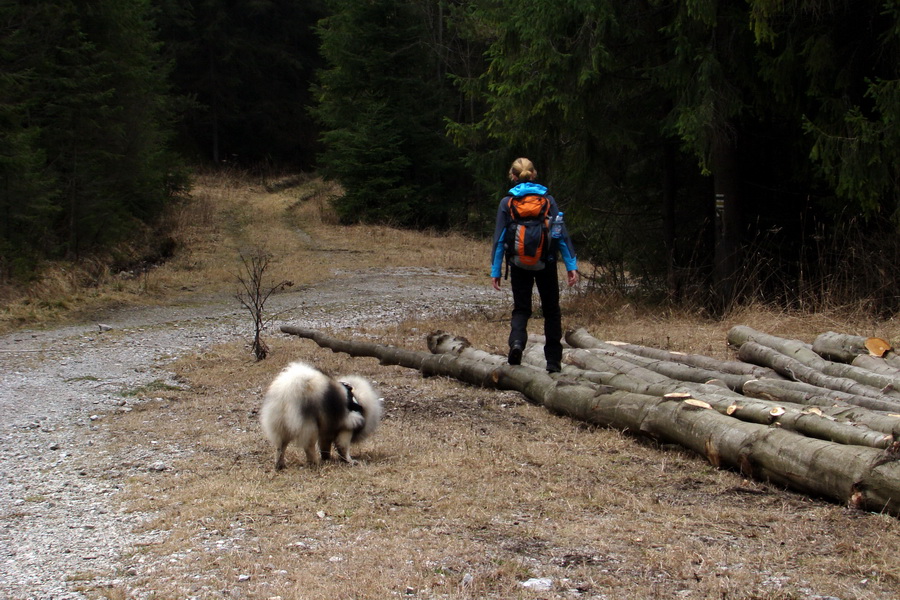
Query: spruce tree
[[837, 67], [382, 100], [27, 207], [87, 158]]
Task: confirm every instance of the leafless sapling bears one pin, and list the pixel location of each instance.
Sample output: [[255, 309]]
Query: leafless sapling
[[254, 293]]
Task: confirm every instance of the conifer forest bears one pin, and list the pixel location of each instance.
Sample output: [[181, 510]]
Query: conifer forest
[[704, 151]]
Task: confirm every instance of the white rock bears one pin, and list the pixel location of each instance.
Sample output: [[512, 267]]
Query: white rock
[[538, 584]]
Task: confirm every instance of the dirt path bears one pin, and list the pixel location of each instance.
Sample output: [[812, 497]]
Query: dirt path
[[58, 525]]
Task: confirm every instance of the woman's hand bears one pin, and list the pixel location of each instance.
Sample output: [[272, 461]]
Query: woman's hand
[[571, 277], [495, 281]]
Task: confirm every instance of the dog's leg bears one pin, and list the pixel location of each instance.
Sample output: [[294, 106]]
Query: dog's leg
[[342, 444], [325, 447], [279, 455], [312, 457]]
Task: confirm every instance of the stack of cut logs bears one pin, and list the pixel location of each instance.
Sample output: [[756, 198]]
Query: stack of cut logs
[[819, 419]]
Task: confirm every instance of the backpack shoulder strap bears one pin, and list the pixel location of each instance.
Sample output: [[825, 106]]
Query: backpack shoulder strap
[[511, 207], [546, 210]]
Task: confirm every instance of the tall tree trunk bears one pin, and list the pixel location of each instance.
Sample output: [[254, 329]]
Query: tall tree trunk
[[726, 187], [214, 106], [669, 190]]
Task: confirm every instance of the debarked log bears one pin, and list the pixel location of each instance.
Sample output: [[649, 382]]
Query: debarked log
[[861, 477]]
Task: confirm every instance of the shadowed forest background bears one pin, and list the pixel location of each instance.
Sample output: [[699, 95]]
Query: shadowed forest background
[[706, 153]]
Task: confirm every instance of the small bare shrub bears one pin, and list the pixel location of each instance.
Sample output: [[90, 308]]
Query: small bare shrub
[[254, 293]]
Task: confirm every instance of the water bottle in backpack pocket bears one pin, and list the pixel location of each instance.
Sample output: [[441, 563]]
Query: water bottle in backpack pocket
[[556, 226]]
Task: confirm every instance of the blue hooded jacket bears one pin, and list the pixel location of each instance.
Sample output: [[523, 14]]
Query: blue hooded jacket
[[565, 247]]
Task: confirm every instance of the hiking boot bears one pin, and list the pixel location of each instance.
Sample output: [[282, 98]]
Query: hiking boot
[[515, 353], [553, 368]]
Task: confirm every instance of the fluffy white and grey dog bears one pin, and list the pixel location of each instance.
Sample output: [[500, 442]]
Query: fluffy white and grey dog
[[306, 406]]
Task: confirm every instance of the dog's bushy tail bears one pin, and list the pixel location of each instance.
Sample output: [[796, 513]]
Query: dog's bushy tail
[[354, 421], [370, 402]]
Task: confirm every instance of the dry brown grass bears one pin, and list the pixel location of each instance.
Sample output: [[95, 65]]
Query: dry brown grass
[[470, 485], [464, 492]]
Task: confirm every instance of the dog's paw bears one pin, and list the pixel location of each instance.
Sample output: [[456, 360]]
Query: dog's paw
[[345, 457]]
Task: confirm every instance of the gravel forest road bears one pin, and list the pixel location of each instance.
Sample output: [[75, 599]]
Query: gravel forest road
[[59, 523]]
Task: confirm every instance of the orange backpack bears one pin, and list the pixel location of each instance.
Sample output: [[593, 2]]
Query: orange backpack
[[528, 235]]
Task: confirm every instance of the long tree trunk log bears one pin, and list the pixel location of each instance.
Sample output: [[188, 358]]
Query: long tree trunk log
[[580, 338], [828, 401], [623, 375], [843, 347], [698, 360], [888, 384], [741, 335], [794, 369], [800, 393], [862, 477], [876, 364], [429, 364], [820, 396], [809, 421], [892, 358]]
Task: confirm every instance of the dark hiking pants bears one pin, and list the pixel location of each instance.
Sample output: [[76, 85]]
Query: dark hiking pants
[[522, 282]]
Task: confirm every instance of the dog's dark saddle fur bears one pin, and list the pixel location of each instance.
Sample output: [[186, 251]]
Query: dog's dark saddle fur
[[352, 404]]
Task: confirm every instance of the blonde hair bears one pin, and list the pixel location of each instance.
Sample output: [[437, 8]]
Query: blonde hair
[[522, 169]]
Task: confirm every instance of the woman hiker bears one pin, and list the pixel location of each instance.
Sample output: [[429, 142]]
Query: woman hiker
[[543, 274]]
